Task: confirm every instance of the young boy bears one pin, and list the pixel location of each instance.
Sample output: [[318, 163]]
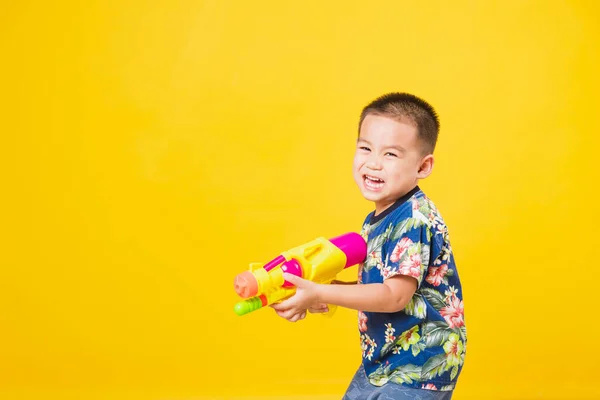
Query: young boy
[[408, 294]]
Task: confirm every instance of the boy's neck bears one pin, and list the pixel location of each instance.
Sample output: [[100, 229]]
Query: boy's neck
[[379, 214]]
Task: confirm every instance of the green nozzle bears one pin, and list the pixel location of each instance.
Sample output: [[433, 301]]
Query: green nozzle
[[247, 306]]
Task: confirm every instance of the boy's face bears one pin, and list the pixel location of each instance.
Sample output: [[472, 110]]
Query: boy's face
[[389, 160]]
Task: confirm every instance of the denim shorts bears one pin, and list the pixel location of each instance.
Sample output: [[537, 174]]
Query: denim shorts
[[361, 389]]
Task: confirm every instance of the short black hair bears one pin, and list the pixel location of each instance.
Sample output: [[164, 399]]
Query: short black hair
[[402, 106]]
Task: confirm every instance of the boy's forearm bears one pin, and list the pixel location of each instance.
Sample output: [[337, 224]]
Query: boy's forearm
[[374, 297]]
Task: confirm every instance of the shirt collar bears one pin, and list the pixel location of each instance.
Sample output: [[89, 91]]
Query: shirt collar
[[397, 203]]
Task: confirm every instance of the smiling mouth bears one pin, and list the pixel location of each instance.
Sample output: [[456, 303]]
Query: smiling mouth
[[373, 183]]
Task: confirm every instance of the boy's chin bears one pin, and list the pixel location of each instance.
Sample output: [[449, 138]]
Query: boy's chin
[[371, 196]]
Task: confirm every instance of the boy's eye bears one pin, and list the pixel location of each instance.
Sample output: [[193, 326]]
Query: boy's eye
[[391, 154], [364, 148]]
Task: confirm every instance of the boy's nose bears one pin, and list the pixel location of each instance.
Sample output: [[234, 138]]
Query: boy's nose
[[374, 163]]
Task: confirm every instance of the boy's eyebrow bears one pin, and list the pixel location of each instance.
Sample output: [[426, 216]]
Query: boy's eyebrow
[[399, 148]]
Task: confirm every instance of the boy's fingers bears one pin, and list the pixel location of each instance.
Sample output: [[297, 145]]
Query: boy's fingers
[[288, 304], [284, 305], [292, 315], [297, 317], [293, 318], [319, 308], [293, 279], [286, 314]]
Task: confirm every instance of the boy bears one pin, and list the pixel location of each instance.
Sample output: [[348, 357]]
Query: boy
[[408, 294]]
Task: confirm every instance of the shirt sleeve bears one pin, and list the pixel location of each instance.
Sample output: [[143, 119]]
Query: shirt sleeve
[[408, 250]]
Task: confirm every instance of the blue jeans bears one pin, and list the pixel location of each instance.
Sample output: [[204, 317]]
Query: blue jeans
[[361, 389]]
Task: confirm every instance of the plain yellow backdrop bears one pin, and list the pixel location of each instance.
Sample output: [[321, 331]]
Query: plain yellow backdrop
[[152, 150]]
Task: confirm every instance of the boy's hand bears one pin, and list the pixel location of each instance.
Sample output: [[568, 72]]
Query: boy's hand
[[291, 318], [305, 298], [314, 309]]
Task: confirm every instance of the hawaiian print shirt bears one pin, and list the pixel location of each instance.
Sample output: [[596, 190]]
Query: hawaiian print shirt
[[424, 345]]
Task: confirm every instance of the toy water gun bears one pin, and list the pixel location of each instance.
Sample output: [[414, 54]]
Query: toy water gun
[[319, 261]]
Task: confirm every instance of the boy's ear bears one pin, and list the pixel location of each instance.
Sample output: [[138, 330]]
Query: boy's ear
[[426, 166]]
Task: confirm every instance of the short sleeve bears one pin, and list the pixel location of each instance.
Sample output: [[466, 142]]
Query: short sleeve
[[408, 250]]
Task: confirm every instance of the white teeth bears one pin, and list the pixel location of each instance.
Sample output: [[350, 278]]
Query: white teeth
[[377, 180], [373, 183]]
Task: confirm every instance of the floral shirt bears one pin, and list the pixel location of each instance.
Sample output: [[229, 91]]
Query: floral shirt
[[424, 345]]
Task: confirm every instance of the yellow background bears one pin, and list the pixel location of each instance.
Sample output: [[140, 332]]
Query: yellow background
[[151, 150]]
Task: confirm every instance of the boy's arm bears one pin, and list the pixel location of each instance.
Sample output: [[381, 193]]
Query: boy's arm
[[408, 253], [391, 296]]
